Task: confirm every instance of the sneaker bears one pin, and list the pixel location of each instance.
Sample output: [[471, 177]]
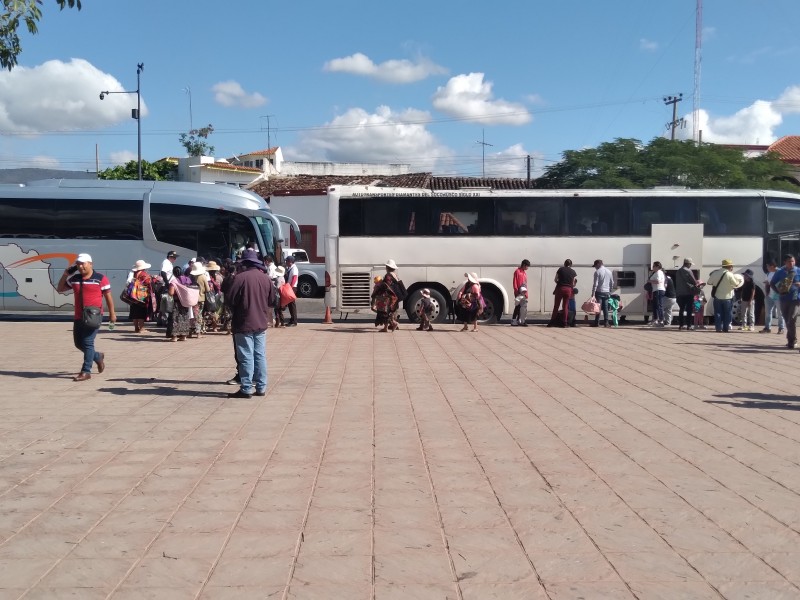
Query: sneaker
[[240, 394], [261, 393], [233, 381], [765, 330], [514, 322]]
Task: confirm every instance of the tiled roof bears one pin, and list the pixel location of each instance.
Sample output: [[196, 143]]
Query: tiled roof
[[788, 148], [265, 152], [308, 185], [229, 167]]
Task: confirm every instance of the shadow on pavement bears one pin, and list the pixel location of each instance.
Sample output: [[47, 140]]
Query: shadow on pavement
[[36, 374], [759, 400], [160, 391]]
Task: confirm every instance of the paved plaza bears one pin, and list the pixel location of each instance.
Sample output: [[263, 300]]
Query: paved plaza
[[511, 463]]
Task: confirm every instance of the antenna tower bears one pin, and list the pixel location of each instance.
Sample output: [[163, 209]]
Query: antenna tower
[[698, 46]]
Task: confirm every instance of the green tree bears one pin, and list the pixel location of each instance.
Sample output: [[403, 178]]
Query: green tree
[[627, 163], [158, 171], [16, 12], [195, 141]]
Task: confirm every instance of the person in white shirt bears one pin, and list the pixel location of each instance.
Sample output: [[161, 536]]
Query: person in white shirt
[[291, 278], [658, 283], [167, 266]]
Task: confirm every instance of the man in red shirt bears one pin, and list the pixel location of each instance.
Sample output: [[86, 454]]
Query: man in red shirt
[[520, 287], [89, 287]]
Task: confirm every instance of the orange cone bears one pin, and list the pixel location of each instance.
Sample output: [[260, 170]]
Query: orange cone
[[328, 320]]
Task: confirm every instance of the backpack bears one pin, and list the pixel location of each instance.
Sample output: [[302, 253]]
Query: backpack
[[400, 290], [784, 286]]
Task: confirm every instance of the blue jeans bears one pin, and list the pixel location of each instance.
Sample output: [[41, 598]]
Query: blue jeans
[[83, 338], [602, 299], [769, 305], [723, 314], [251, 354], [658, 308]]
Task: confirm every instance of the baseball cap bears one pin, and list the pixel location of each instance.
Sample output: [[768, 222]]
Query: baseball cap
[[83, 258], [172, 254]]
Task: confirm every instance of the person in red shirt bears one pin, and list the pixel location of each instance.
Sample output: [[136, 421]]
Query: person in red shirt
[[520, 287], [89, 287]]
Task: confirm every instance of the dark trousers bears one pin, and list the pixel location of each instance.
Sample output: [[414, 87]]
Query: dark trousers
[[292, 306], [685, 305], [83, 338], [789, 310], [723, 314], [563, 294], [602, 298]]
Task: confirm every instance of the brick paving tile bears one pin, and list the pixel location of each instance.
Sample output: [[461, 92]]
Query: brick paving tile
[[515, 463]]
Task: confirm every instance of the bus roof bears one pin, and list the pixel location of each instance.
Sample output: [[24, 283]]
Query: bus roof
[[198, 194], [368, 190]]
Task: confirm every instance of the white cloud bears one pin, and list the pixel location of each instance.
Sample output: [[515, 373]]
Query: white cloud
[[123, 157], [754, 124], [513, 162], [231, 93], [384, 136], [469, 97], [648, 45], [61, 96], [392, 71], [43, 162]]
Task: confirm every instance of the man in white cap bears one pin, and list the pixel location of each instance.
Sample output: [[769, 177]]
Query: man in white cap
[[89, 287]]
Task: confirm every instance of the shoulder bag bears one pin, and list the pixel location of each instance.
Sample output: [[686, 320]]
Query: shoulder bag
[[287, 295], [91, 316]]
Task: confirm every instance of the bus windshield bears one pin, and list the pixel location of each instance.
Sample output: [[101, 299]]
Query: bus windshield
[[266, 228]]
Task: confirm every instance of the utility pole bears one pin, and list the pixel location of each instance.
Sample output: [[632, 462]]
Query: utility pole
[[528, 185], [698, 59], [269, 138], [674, 123], [483, 144]]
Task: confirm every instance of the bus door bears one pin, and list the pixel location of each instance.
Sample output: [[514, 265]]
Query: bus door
[[780, 245]]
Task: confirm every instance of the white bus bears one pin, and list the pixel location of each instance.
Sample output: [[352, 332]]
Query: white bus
[[45, 224], [435, 237]]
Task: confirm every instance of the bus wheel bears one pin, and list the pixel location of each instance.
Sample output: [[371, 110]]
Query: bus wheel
[[493, 309], [439, 314], [306, 287]]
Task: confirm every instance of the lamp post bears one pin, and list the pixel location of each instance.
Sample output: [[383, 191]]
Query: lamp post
[[136, 113]]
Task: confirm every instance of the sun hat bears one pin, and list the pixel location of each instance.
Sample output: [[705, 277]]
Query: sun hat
[[83, 258], [687, 262], [212, 266], [727, 262], [391, 264], [426, 292], [250, 256], [198, 269], [473, 277], [280, 271], [522, 288], [140, 265]]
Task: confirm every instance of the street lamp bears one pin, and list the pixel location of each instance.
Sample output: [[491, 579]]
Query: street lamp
[[136, 113]]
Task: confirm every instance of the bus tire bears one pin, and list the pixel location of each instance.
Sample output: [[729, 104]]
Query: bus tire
[[493, 310], [307, 287], [439, 314]]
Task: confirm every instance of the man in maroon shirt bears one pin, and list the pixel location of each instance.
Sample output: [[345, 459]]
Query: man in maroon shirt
[[248, 297], [89, 287]]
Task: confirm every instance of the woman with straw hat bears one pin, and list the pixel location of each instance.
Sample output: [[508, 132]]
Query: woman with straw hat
[[140, 298], [469, 303]]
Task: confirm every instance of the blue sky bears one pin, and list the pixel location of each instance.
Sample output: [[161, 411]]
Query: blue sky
[[414, 82]]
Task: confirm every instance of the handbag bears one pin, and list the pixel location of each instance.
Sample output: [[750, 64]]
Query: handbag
[[591, 306], [287, 295], [91, 316], [212, 302]]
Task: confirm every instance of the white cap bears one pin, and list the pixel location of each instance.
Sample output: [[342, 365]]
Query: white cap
[[83, 258]]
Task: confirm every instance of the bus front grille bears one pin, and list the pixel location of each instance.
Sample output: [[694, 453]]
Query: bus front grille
[[356, 289]]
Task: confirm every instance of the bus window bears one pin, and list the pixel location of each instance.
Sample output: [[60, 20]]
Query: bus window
[[646, 211], [27, 218], [597, 216], [732, 216], [393, 216], [528, 216], [351, 221], [461, 216], [783, 216]]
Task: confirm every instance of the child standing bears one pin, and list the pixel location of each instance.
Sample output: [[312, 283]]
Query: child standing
[[699, 310], [424, 311], [572, 309]]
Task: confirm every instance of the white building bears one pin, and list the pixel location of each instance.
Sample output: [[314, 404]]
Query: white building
[[207, 169]]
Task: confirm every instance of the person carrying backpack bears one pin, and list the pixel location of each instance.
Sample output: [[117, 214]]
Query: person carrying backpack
[[786, 282]]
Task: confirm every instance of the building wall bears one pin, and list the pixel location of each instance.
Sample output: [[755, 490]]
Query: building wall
[[354, 169], [306, 210]]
